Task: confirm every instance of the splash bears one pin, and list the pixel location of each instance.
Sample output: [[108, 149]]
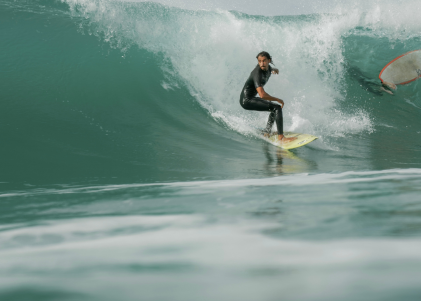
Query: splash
[[212, 53]]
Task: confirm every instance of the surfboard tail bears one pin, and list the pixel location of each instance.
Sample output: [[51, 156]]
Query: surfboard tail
[[301, 140]]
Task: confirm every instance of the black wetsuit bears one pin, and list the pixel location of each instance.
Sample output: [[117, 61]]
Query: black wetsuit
[[249, 101]]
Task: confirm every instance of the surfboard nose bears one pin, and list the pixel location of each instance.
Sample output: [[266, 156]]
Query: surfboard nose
[[402, 70]]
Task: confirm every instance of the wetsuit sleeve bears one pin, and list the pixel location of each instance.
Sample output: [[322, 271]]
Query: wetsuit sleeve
[[257, 79]]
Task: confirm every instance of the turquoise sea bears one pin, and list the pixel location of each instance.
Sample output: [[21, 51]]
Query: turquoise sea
[[129, 171]]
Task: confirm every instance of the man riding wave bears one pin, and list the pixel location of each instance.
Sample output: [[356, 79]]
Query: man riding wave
[[254, 85]]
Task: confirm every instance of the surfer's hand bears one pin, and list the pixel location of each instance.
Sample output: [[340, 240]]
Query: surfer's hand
[[275, 71], [281, 102]]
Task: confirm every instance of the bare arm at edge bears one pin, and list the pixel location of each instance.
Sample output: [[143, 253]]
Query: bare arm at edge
[[264, 95]]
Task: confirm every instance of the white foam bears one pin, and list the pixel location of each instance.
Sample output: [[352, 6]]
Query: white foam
[[299, 180], [105, 251], [213, 52]]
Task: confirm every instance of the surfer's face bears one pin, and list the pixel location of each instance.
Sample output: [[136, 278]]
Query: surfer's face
[[263, 62]]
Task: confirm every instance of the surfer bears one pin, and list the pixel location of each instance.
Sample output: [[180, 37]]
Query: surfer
[[253, 86], [369, 84], [387, 87]]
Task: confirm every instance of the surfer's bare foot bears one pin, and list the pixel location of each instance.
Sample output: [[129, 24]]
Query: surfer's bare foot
[[283, 139], [389, 85], [385, 90]]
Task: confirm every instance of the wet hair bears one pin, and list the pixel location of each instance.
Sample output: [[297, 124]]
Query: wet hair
[[267, 55]]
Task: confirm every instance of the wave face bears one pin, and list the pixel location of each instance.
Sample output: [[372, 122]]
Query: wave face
[[96, 89]]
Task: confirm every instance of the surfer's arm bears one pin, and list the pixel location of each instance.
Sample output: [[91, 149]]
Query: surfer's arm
[[264, 95], [275, 71]]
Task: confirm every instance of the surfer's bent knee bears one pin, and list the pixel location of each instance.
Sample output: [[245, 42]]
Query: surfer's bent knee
[[274, 107]]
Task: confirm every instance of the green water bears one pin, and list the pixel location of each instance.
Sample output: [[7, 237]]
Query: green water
[[129, 171]]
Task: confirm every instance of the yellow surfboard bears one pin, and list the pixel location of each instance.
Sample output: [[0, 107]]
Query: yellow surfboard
[[302, 139]]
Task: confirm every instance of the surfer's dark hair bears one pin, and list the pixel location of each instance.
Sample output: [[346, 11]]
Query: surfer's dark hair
[[267, 55]]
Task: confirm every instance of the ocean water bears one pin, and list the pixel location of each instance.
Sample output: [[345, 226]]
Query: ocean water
[[128, 170]]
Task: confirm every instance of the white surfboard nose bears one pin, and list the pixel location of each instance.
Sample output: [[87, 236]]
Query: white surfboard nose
[[402, 70]]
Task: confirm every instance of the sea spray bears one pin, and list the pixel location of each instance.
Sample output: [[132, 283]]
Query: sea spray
[[213, 53]]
